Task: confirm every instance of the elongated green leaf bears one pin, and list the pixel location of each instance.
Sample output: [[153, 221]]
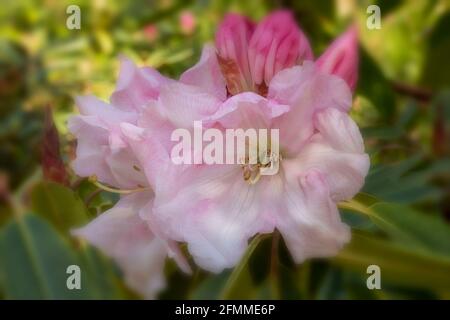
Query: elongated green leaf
[[407, 181], [398, 263], [59, 205], [34, 259], [210, 287], [239, 284], [405, 224], [99, 274], [413, 227]]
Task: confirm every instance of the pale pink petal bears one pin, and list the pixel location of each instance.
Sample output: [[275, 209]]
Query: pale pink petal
[[153, 150], [206, 74], [136, 86], [311, 225], [126, 169], [183, 104], [124, 236], [248, 110], [112, 164], [306, 90], [345, 172], [105, 113], [101, 149], [92, 149], [215, 211], [145, 212], [337, 151], [339, 130]]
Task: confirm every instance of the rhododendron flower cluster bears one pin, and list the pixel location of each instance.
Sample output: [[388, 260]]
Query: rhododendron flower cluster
[[261, 76]]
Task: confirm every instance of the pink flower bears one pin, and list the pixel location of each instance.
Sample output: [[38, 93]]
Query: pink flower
[[213, 207], [216, 209]]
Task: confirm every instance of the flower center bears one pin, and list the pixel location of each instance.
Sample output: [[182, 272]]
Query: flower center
[[267, 164]]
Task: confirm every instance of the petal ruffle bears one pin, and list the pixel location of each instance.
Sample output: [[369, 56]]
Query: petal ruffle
[[337, 151], [152, 150], [136, 86], [206, 74], [248, 110], [311, 225], [183, 104], [101, 150], [124, 236], [215, 211], [306, 90]]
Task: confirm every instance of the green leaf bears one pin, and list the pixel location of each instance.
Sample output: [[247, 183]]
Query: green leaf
[[407, 181], [329, 288], [239, 284], [289, 284], [100, 275], [378, 177], [398, 264], [405, 224], [210, 287], [34, 259], [59, 205], [413, 227]]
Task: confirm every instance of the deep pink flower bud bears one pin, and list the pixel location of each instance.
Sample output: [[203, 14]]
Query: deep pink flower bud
[[232, 40], [276, 44], [341, 57]]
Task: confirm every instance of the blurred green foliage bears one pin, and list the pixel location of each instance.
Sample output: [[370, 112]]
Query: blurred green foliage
[[402, 104]]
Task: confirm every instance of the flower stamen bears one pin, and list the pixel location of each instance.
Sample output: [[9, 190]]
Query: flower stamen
[[252, 172], [93, 179]]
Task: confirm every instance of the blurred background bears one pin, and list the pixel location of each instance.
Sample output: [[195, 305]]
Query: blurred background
[[402, 103]]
